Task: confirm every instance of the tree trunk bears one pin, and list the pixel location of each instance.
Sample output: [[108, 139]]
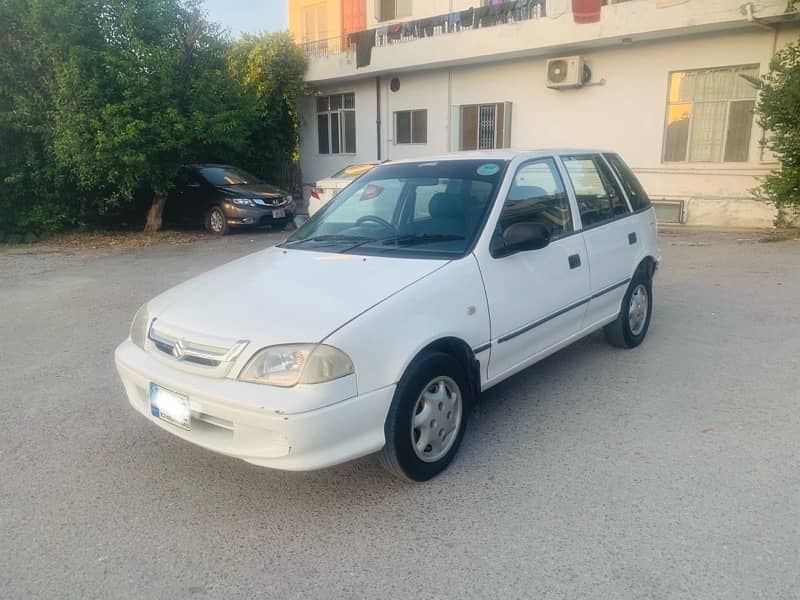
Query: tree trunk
[[155, 213]]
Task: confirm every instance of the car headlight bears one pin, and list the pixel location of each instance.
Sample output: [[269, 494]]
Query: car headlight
[[243, 202], [139, 326], [286, 366]]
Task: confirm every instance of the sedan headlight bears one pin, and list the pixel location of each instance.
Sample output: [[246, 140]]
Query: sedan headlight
[[286, 366], [139, 326], [243, 202]]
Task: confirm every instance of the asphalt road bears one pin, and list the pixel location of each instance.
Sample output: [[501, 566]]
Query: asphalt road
[[670, 471]]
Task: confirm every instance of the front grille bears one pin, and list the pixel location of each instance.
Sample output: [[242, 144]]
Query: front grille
[[184, 350]]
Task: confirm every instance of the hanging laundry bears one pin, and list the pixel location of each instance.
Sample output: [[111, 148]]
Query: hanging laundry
[[556, 8], [467, 17], [365, 42], [454, 21], [409, 29], [482, 16], [395, 32], [586, 11]]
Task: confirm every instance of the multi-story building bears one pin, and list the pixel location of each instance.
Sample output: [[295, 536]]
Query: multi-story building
[[659, 81]]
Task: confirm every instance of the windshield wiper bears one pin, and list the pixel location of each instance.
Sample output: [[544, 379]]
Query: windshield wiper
[[333, 238], [420, 238]]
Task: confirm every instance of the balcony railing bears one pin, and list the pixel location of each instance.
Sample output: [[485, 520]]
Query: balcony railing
[[408, 31]]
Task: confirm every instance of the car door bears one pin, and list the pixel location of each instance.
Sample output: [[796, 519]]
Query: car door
[[608, 231], [537, 299]]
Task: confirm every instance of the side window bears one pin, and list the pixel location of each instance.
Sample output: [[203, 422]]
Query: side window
[[636, 193], [537, 195], [599, 197]]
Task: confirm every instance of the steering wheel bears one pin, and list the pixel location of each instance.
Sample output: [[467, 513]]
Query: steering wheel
[[377, 220]]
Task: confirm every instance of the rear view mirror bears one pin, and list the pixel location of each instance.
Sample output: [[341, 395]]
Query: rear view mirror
[[522, 237]]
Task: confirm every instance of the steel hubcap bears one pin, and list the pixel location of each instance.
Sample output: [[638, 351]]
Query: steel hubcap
[[637, 311], [216, 220], [436, 419]]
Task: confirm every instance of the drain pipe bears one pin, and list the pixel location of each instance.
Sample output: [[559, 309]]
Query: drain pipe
[[378, 112]]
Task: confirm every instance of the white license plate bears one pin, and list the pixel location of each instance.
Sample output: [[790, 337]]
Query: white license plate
[[278, 214], [170, 407]]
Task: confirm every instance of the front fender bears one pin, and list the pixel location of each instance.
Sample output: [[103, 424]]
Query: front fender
[[450, 303]]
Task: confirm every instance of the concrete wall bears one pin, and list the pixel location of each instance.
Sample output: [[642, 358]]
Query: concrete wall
[[625, 111]]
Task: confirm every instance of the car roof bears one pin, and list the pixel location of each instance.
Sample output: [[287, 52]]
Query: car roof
[[507, 154]]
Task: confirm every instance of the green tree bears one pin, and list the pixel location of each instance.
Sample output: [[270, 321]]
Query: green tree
[[779, 114], [146, 93], [270, 67]]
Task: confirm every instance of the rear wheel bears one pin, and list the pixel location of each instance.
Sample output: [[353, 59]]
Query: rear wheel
[[216, 222], [428, 417], [633, 322]]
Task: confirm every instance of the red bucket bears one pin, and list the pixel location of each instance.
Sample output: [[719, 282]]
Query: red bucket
[[586, 11]]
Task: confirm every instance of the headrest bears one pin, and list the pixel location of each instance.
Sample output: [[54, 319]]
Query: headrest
[[446, 206]]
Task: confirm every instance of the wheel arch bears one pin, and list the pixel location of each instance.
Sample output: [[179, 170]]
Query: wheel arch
[[646, 266], [461, 351]]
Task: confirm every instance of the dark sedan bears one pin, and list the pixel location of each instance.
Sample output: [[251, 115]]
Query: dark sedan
[[223, 197]]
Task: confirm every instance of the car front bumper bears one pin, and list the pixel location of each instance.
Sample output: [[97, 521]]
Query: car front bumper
[[236, 418], [238, 216]]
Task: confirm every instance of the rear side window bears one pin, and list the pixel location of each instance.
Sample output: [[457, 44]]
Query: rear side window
[[599, 198], [636, 193]]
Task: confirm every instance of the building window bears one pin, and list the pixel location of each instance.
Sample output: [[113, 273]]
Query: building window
[[411, 127], [315, 23], [336, 124], [710, 115], [485, 126], [387, 10]]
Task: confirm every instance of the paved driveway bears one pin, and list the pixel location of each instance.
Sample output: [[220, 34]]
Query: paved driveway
[[670, 471]]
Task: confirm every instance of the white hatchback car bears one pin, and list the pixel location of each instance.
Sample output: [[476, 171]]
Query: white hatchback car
[[422, 284]]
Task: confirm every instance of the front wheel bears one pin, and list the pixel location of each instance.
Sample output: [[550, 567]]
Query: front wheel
[[216, 222], [428, 417], [633, 322]]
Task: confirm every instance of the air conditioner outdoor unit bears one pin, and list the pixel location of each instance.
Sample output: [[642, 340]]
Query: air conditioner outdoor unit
[[567, 72]]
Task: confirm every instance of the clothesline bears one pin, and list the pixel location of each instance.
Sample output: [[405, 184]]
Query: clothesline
[[497, 13]]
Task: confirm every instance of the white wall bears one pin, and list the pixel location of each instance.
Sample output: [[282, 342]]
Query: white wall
[[626, 114]]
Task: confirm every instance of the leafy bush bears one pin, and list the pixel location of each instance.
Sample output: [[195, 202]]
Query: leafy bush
[[779, 114]]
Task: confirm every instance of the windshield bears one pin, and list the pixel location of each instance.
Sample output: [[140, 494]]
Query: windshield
[[228, 176], [352, 171], [430, 209]]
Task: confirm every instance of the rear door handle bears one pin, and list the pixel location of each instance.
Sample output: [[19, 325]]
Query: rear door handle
[[574, 261], [632, 239]]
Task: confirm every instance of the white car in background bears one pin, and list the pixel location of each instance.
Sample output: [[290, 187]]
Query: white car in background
[[324, 190], [385, 315]]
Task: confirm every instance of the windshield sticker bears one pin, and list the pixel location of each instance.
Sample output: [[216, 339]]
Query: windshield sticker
[[486, 170]]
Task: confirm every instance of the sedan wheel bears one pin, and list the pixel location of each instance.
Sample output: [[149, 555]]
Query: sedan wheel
[[216, 221], [630, 327]]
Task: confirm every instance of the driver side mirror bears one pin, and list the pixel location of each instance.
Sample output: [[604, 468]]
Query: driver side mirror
[[521, 237]]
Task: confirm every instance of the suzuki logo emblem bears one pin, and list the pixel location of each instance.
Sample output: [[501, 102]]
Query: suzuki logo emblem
[[179, 349]]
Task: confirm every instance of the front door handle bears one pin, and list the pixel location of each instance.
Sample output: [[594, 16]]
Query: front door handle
[[574, 261], [632, 239]]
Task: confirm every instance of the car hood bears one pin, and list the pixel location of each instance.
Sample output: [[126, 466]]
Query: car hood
[[279, 296], [255, 190]]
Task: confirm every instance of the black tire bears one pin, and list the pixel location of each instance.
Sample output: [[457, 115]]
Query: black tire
[[219, 225], [399, 456], [619, 333]]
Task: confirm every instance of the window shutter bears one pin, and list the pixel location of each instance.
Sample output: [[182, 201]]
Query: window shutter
[[403, 8]]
